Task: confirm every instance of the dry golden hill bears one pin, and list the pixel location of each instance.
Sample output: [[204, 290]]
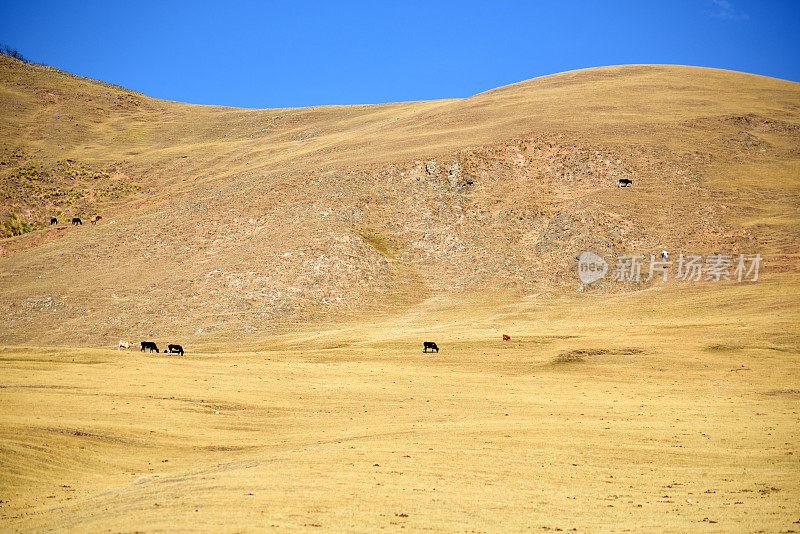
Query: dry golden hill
[[220, 221]]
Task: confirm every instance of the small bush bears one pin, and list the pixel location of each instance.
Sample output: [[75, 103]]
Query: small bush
[[13, 52], [7, 50], [16, 226]]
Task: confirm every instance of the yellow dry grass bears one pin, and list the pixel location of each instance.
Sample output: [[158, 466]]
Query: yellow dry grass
[[681, 416]]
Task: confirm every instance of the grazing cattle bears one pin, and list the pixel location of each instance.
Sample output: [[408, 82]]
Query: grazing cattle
[[77, 220], [149, 345], [625, 182], [174, 349], [429, 345], [53, 221], [124, 345], [95, 219], [664, 255], [506, 338]]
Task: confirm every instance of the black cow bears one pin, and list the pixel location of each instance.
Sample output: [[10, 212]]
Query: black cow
[[149, 345], [625, 182], [174, 349], [53, 221], [429, 345], [77, 220]]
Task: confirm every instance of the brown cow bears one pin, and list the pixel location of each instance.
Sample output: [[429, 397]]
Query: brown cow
[[506, 338], [95, 219]]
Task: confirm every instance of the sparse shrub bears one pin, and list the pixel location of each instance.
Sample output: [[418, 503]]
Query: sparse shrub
[[30, 170], [379, 243], [11, 52], [578, 355], [14, 224], [128, 98], [569, 357], [721, 347]]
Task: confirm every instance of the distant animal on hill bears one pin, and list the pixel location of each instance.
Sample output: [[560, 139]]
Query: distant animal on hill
[[77, 220], [625, 182], [664, 255], [53, 221], [95, 219], [124, 345], [429, 345], [174, 349], [506, 338], [149, 345]]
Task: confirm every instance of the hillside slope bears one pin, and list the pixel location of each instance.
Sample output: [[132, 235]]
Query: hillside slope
[[223, 223]]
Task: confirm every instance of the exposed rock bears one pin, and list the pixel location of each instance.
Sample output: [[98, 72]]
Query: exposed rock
[[454, 174], [432, 167]]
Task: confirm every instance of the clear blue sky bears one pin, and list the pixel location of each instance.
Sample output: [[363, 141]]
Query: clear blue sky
[[280, 54]]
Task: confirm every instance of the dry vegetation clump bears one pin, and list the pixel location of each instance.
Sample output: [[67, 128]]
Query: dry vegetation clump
[[578, 355], [15, 226], [722, 347]]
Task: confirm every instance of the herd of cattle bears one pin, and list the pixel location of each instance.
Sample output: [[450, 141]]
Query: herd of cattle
[[151, 346], [177, 349], [76, 220]]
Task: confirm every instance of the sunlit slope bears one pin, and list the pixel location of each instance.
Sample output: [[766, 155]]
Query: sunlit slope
[[70, 116], [222, 222], [643, 412]]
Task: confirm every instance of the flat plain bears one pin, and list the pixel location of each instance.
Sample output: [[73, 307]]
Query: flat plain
[[627, 415]]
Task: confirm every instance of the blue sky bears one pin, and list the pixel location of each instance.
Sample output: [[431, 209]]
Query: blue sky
[[281, 54]]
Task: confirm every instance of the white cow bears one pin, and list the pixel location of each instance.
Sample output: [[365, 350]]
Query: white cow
[[124, 345]]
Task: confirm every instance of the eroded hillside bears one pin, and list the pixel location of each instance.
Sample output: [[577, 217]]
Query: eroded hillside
[[235, 223]]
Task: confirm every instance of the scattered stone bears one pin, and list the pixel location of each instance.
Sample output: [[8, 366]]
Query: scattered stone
[[432, 167], [454, 174]]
